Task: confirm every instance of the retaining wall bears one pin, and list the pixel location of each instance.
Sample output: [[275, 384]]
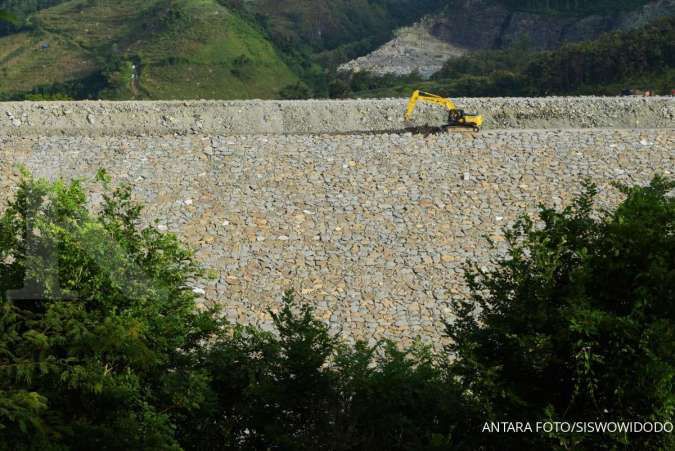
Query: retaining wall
[[374, 230], [321, 116]]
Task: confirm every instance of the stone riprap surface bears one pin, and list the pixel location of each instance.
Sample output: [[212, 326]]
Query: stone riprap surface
[[372, 229], [321, 116]]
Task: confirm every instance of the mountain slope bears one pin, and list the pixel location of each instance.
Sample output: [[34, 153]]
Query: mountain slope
[[143, 49], [642, 59], [20, 11], [475, 25], [226, 49], [322, 25], [189, 48]]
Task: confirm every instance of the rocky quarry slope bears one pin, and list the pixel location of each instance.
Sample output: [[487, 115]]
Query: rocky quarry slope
[[483, 24], [373, 229]]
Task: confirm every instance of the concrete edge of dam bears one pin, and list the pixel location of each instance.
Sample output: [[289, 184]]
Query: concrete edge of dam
[[267, 117]]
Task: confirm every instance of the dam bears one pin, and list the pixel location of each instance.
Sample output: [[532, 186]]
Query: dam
[[368, 222]]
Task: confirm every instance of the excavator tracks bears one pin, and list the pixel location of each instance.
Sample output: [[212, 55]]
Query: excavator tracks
[[425, 130]]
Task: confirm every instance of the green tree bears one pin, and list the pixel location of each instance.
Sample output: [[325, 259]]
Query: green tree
[[99, 333], [102, 344], [296, 91], [303, 389], [5, 16], [578, 323]]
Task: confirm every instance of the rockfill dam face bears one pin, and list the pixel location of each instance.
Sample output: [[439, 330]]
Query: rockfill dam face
[[370, 224]]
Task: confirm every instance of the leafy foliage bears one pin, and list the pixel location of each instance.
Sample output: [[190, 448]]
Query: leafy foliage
[[573, 6], [304, 389], [6, 17], [98, 323], [296, 91], [578, 323], [102, 344]]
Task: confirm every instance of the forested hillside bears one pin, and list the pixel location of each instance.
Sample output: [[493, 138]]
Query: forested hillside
[[315, 36], [188, 48], [327, 25], [25, 7], [21, 10], [644, 57], [152, 49], [156, 49], [640, 59], [573, 6]]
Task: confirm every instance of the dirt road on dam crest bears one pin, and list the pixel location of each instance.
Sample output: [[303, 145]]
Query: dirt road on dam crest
[[373, 229]]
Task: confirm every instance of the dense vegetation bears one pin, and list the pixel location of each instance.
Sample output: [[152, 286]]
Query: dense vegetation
[[25, 7], [189, 48], [168, 49], [20, 9], [578, 323], [614, 58], [640, 59], [102, 347], [6, 17], [155, 49], [324, 25], [573, 6]]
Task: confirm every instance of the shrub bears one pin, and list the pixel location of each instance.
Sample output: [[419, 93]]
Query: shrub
[[5, 16], [578, 323], [303, 389], [49, 97], [102, 346], [98, 330], [293, 92]]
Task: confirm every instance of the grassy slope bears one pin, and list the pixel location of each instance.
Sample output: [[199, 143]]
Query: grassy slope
[[24, 64], [212, 53], [187, 49]]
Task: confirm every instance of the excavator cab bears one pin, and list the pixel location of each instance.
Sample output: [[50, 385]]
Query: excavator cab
[[456, 117]]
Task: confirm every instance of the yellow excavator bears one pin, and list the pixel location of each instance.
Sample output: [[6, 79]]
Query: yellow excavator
[[456, 117]]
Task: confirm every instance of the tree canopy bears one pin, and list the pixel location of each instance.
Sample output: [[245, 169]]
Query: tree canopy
[[103, 344]]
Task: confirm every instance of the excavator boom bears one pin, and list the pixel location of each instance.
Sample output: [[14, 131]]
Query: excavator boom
[[456, 118], [418, 96]]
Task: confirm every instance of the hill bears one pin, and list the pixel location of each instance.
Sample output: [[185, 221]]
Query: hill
[[334, 30], [641, 59], [188, 48], [573, 7], [466, 26], [152, 49], [226, 49]]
